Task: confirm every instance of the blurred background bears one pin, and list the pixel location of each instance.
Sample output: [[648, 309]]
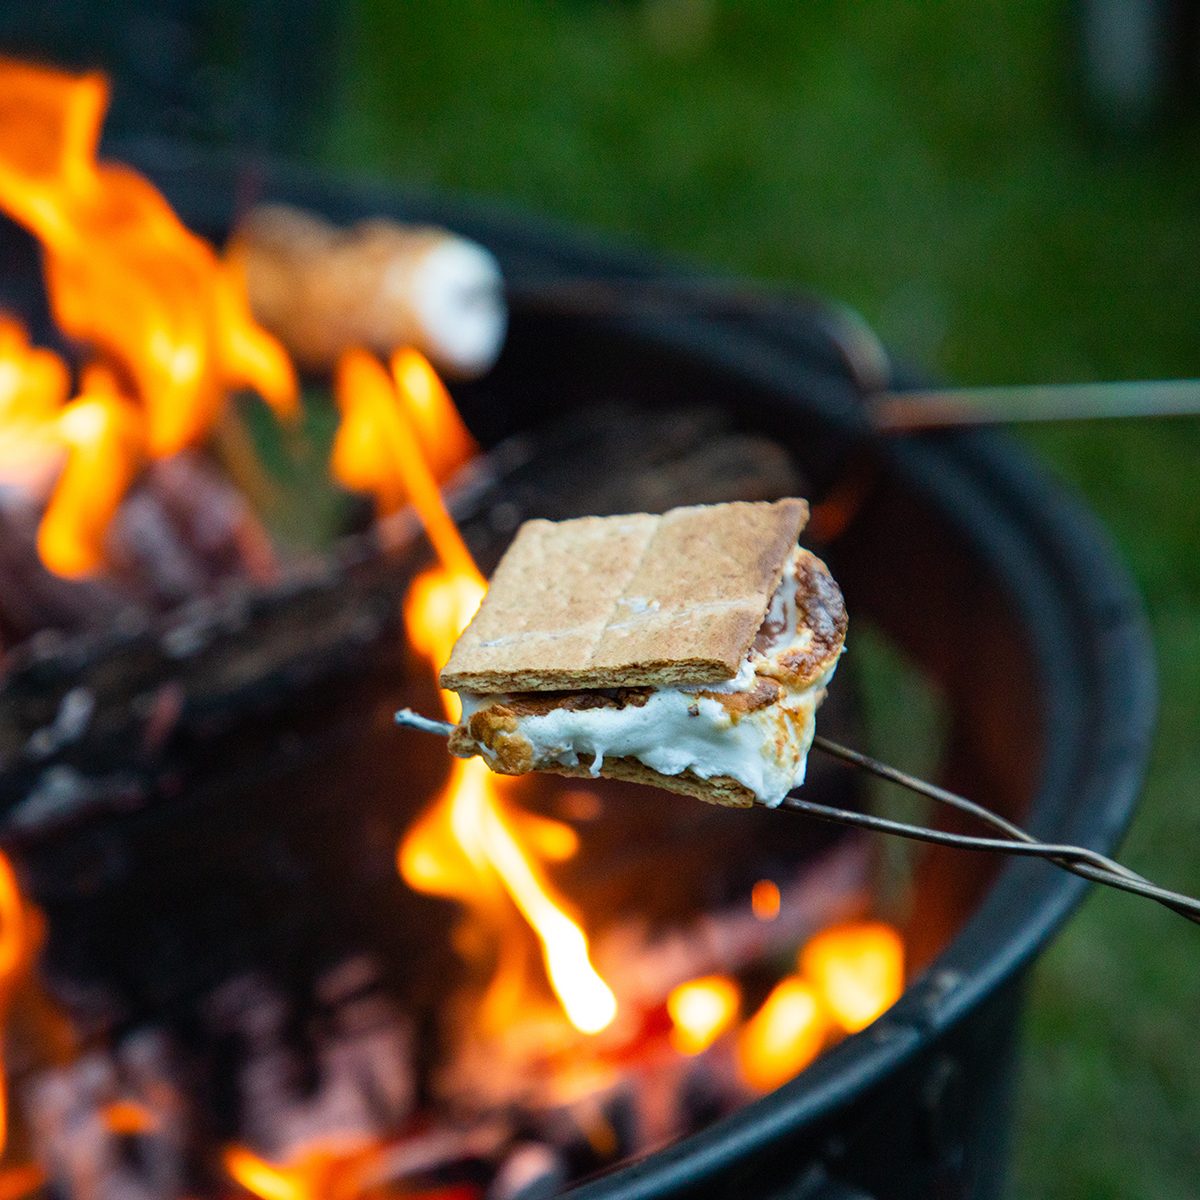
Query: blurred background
[[1008, 191]]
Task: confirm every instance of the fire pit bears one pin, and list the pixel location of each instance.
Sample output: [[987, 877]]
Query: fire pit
[[206, 808]]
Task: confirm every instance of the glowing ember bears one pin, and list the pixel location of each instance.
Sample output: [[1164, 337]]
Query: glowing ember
[[468, 845], [123, 273], [784, 1036], [128, 1118], [858, 969], [13, 946], [18, 1182], [15, 950], [316, 1175], [700, 1011], [765, 900]]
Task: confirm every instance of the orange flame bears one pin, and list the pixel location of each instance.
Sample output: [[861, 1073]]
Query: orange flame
[[388, 448], [105, 438], [784, 1036], [858, 969], [437, 608], [123, 273], [34, 384], [439, 428], [99, 434], [849, 974], [467, 845], [700, 1011]]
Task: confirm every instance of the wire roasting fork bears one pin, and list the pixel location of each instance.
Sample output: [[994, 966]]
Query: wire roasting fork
[[1079, 860]]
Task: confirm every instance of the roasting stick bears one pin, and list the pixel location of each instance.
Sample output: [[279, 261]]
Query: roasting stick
[[1089, 864], [902, 412], [1079, 860], [890, 410]]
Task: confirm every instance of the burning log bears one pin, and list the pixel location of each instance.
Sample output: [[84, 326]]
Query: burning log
[[204, 666], [32, 598], [185, 530], [323, 290], [182, 532]]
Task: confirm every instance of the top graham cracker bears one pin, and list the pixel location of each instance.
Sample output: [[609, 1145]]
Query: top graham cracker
[[627, 601]]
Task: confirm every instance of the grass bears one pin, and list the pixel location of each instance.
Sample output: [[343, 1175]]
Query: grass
[[926, 163]]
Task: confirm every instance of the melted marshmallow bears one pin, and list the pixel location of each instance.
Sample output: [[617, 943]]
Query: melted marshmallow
[[675, 731], [681, 729]]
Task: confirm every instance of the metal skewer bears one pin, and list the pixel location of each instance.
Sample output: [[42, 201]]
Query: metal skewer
[[900, 412], [866, 357], [1079, 860]]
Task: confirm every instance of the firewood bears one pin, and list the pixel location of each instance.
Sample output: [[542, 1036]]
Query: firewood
[[34, 599], [184, 530]]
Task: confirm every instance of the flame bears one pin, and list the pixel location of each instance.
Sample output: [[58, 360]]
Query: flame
[[784, 1036], [13, 947], [34, 384], [849, 974], [96, 442], [858, 969], [467, 845], [700, 1011], [105, 441], [123, 274], [436, 610], [440, 430], [125, 277], [399, 435], [262, 1178]]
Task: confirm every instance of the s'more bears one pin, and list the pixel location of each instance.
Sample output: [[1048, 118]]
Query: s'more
[[688, 650]]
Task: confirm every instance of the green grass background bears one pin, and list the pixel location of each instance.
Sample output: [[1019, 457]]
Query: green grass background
[[925, 161]]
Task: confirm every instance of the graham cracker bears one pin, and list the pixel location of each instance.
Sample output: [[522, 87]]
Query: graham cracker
[[603, 602], [718, 790]]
